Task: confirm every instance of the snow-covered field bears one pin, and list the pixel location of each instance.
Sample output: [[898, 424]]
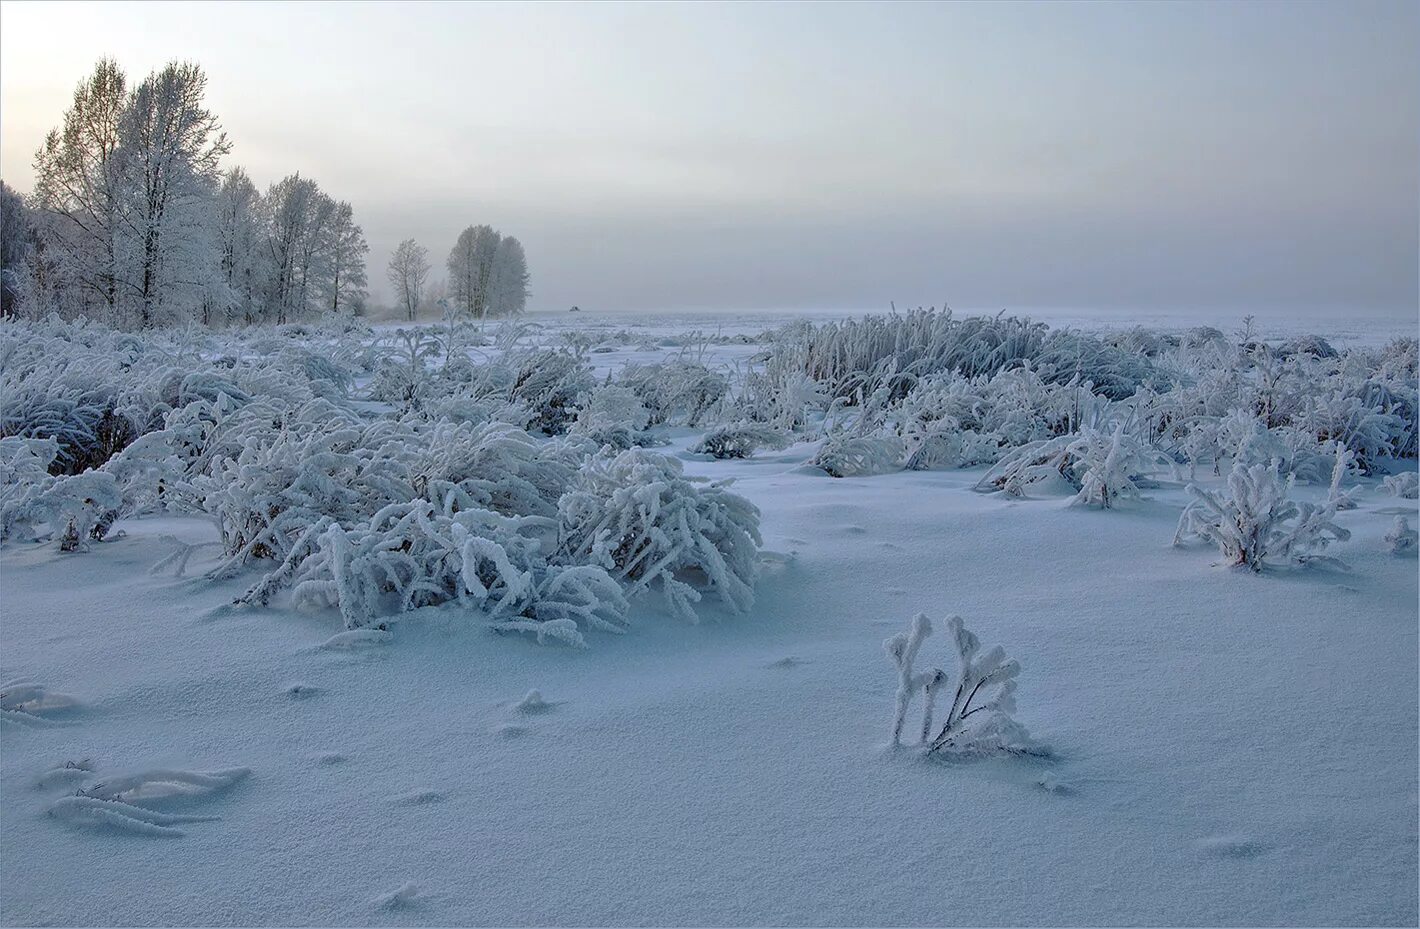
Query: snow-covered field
[[1225, 747]]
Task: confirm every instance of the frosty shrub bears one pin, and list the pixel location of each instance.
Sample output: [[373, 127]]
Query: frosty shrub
[[739, 440], [978, 719], [675, 391], [1345, 463], [1402, 539], [1406, 485], [1253, 522], [551, 385], [856, 456], [1108, 465], [635, 514]]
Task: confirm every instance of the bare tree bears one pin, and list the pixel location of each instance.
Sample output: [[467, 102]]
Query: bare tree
[[408, 270]]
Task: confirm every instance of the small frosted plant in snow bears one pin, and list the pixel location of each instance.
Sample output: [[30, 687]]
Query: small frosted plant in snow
[[978, 719], [1345, 462], [1402, 538], [1108, 466], [1406, 485], [1253, 522]]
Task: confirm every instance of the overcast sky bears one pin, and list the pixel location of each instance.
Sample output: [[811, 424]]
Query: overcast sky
[[1001, 155]]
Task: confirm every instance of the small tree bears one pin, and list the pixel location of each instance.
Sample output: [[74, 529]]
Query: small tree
[[408, 270]]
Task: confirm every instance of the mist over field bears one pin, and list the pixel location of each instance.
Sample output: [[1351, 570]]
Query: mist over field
[[659, 157]]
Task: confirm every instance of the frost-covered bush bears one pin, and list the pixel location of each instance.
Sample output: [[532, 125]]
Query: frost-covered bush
[[856, 456], [978, 719], [613, 415], [1401, 538], [637, 515], [675, 391], [1406, 485], [739, 440], [1109, 465], [410, 556], [551, 385], [1253, 523]]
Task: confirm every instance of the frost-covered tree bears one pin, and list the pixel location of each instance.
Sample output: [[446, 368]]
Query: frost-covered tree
[[79, 189], [169, 156], [343, 288], [17, 234], [407, 273], [508, 290], [241, 239], [470, 267]]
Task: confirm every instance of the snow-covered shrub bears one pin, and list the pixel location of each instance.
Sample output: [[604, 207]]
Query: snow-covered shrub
[[978, 719], [675, 391], [855, 456], [402, 374], [615, 416], [1109, 465], [551, 385], [1402, 538], [1253, 522], [1406, 485], [635, 514], [739, 440], [1344, 466]]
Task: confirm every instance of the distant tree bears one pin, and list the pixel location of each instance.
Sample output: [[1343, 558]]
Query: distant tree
[[241, 238], [408, 270], [346, 286], [471, 269], [509, 289]]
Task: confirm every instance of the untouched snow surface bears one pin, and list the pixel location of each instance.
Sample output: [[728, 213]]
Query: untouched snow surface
[[1230, 748]]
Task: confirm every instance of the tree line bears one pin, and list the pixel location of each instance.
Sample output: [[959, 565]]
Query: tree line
[[134, 220]]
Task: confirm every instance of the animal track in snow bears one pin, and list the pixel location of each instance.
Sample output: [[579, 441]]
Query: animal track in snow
[[421, 798], [299, 691], [789, 661], [32, 705], [326, 759]]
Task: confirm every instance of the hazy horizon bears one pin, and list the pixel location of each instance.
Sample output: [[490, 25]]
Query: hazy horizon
[[661, 157]]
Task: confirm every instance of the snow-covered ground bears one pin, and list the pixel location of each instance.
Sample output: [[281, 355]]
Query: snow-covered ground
[[1228, 748]]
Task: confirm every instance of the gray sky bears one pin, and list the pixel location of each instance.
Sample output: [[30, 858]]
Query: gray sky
[[1249, 155]]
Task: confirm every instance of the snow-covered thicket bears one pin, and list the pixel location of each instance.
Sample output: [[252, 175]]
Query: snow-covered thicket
[[480, 485], [978, 719], [1253, 522], [738, 440]]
